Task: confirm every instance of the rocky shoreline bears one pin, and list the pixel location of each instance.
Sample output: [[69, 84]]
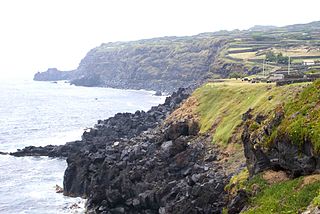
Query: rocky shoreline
[[120, 126], [140, 163], [159, 162]]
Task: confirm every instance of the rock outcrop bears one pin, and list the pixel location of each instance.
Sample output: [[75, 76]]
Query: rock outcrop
[[155, 172], [226, 69], [281, 153], [53, 74]]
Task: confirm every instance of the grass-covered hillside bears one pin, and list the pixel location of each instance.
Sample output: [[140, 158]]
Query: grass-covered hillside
[[221, 105], [226, 110], [302, 118], [250, 49]]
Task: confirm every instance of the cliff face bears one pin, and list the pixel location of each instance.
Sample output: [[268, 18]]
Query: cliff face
[[162, 64], [287, 139], [279, 131]]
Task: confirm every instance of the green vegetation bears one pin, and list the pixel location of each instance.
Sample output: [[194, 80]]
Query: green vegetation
[[237, 182], [248, 49], [160, 64], [225, 211], [277, 58], [291, 196], [262, 36], [236, 75], [256, 183], [302, 118], [314, 71], [244, 55], [221, 105], [316, 200]]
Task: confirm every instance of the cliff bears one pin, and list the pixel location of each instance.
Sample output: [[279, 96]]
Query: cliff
[[161, 64], [278, 129]]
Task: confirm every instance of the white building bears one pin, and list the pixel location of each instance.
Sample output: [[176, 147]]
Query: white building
[[308, 62], [275, 77]]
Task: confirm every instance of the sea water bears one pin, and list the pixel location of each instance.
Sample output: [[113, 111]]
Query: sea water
[[43, 113]]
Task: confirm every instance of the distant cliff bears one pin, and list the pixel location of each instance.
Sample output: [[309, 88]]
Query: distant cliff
[[163, 64], [53, 74]]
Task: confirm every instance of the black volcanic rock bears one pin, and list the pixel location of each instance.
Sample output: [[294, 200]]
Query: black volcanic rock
[[282, 154], [238, 202], [120, 126], [132, 163], [34, 151], [135, 163], [147, 174]]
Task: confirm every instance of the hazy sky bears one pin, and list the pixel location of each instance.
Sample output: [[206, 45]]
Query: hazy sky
[[37, 34]]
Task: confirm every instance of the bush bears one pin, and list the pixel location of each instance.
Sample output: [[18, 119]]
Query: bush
[[277, 58], [236, 75]]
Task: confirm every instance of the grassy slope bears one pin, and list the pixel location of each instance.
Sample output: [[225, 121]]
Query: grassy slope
[[302, 118], [218, 106], [271, 196], [291, 196], [221, 105]]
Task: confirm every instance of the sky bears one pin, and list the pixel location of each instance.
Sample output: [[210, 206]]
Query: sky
[[40, 34]]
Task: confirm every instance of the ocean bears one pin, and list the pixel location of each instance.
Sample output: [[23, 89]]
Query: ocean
[[43, 113]]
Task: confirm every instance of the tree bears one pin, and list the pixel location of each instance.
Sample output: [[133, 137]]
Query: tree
[[271, 57], [277, 58], [282, 59], [236, 75]]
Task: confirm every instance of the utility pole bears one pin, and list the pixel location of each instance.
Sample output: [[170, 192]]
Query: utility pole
[[263, 67], [289, 66]]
